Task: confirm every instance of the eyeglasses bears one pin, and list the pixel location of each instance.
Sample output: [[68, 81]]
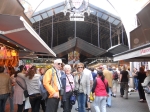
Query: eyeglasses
[[80, 67], [59, 63]]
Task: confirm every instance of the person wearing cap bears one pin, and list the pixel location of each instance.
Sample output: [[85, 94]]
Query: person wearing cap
[[109, 77], [52, 84]]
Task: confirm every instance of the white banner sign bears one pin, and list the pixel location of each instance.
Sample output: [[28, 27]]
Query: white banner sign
[[76, 19]]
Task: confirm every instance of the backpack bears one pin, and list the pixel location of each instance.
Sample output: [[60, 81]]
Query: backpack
[[44, 92], [115, 75]]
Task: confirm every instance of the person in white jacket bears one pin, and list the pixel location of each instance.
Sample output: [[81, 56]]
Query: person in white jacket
[[146, 81]]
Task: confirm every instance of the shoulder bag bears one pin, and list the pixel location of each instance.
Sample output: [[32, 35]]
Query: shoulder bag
[[73, 96], [25, 90]]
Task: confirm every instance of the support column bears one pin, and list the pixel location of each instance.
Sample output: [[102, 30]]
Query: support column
[[52, 32], [75, 28], [131, 82], [98, 30], [118, 33], [110, 34], [122, 33], [39, 27]]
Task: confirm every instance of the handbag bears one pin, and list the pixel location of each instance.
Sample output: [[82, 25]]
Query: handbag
[[26, 93], [91, 97], [25, 90], [73, 96], [147, 88]]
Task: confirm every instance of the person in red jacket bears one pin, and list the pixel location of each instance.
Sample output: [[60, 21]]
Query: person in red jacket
[[100, 88]]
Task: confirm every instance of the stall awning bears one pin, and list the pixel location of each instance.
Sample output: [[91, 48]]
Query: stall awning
[[141, 53], [77, 44], [118, 49], [18, 30], [13, 7]]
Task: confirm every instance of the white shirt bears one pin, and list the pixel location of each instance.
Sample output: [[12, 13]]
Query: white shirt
[[58, 81], [87, 71]]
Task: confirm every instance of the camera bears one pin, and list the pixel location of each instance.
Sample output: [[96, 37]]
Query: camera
[[76, 92]]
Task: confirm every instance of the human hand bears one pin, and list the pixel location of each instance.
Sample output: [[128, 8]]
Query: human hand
[[107, 95], [56, 95], [12, 77], [75, 73], [11, 95]]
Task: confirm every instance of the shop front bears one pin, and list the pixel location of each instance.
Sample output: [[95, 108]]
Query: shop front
[[139, 40]]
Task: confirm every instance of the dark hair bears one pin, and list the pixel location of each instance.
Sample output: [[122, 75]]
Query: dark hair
[[141, 69], [31, 72], [21, 68], [100, 73], [2, 69], [92, 69], [11, 71]]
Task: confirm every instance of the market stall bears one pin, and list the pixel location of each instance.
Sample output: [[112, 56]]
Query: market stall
[[8, 56]]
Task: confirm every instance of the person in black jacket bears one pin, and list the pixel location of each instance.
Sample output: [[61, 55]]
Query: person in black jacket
[[141, 75]]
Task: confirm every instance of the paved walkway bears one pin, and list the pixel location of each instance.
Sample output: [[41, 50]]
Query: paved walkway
[[118, 105]]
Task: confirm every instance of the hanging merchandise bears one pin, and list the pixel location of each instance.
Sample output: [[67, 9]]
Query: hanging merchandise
[[2, 62], [8, 56], [13, 53], [3, 52]]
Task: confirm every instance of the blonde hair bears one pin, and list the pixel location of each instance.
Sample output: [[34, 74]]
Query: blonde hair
[[80, 64]]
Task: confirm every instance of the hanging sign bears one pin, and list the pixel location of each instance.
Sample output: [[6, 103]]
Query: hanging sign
[[77, 9]]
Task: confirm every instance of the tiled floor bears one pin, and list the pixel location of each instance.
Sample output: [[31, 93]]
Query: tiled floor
[[118, 105]]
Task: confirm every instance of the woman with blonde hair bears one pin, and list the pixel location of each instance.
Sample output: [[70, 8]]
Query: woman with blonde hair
[[146, 81], [124, 78], [82, 86]]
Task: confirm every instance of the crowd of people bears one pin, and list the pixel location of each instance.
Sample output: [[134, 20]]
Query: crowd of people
[[41, 87]]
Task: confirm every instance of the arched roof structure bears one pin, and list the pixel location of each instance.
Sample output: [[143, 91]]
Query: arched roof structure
[[55, 28]]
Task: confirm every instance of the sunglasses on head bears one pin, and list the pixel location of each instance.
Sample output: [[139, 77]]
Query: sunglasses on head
[[80, 67]]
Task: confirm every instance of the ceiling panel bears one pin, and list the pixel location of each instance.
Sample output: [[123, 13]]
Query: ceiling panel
[[104, 16], [37, 18], [44, 15]]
